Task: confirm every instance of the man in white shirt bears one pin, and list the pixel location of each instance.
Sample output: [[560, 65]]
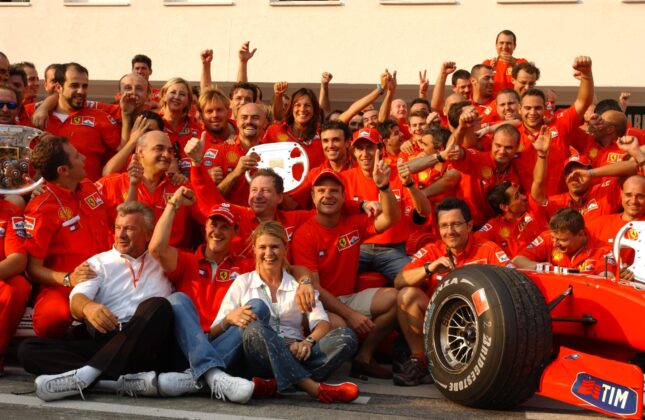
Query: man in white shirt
[[129, 321]]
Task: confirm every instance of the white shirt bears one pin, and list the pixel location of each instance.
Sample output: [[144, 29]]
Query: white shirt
[[286, 318], [114, 284]]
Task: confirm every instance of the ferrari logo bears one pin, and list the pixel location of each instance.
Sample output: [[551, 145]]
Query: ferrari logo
[[223, 275], [64, 213], [632, 234], [342, 243]]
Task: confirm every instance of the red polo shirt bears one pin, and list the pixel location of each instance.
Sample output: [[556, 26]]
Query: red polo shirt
[[333, 252], [206, 282], [95, 134], [12, 230], [589, 259], [503, 74], [601, 199], [179, 136]]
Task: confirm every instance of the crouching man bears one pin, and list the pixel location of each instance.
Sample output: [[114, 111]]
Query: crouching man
[[128, 321]]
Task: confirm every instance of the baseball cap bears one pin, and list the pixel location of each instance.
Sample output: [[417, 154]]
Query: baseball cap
[[224, 211], [328, 173], [370, 134], [578, 160]]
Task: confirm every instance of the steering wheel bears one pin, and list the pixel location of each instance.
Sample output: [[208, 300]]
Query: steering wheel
[[635, 239], [277, 156], [15, 159]]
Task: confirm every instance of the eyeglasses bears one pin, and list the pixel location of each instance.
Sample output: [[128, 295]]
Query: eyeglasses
[[10, 104], [455, 226]]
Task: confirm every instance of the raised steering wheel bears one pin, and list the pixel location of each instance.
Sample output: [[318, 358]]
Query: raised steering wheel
[[277, 156], [632, 235]]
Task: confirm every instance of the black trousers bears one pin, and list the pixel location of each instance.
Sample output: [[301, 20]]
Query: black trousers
[[147, 342]]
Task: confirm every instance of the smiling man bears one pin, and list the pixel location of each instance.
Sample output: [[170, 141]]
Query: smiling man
[[147, 181], [502, 65]]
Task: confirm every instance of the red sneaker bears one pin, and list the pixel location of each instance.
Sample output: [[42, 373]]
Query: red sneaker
[[345, 392], [264, 388]]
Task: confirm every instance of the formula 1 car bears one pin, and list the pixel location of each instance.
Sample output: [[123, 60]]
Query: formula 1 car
[[495, 336]]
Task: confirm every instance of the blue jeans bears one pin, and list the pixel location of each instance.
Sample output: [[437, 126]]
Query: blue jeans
[[267, 355], [388, 260], [202, 354]]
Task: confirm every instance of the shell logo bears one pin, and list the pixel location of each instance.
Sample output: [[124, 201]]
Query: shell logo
[[282, 137], [557, 256], [423, 176], [504, 232], [232, 157], [64, 213], [487, 172], [593, 153]]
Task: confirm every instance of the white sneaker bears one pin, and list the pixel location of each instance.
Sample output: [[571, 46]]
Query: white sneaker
[[174, 384], [55, 387], [138, 384], [227, 387]]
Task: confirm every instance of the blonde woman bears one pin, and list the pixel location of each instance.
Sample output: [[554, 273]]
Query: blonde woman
[[262, 303]]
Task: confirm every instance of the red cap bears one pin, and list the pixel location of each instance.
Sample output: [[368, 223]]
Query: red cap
[[328, 173], [370, 134], [224, 211], [578, 160]]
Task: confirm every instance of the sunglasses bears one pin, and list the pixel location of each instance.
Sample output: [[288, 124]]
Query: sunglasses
[[10, 104]]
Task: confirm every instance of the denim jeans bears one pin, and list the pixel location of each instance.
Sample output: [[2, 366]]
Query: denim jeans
[[267, 354], [202, 354], [388, 260]]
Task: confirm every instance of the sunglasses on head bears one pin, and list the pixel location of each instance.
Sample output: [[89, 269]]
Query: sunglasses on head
[[10, 104]]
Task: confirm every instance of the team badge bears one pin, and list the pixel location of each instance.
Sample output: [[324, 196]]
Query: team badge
[[223, 275], [614, 157], [94, 200], [64, 213], [486, 227], [88, 121], [110, 119], [501, 256], [233, 275], [30, 223], [420, 253], [632, 234], [211, 154], [348, 240], [76, 120], [202, 272], [593, 205]]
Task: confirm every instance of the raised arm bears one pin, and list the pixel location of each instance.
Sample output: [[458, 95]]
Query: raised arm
[[582, 67], [419, 200], [366, 100], [159, 246], [423, 84], [244, 54], [205, 79], [279, 90], [391, 212], [541, 146], [439, 90], [323, 98], [120, 159]]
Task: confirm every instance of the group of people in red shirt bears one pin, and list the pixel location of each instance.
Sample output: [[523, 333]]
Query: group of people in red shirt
[[491, 173]]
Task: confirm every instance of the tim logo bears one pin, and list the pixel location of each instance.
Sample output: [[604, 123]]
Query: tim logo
[[605, 395]]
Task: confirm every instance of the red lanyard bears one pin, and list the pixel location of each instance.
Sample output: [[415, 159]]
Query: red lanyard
[[138, 276]]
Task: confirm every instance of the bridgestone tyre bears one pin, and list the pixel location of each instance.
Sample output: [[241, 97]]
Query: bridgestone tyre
[[488, 336]]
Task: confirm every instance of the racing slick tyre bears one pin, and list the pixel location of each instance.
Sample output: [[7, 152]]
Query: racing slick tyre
[[488, 336]]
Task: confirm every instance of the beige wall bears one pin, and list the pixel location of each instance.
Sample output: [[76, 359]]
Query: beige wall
[[354, 41]]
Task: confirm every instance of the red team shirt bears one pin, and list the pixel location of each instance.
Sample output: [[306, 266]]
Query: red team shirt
[[95, 134], [226, 157], [333, 253], [179, 136], [590, 259], [601, 199], [194, 276], [503, 74], [12, 230], [477, 251]]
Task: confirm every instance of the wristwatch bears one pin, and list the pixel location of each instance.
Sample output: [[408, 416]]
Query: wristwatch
[[305, 281], [67, 282], [310, 340], [426, 267]]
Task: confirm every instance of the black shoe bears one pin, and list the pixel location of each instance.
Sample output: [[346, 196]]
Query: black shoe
[[372, 369], [415, 372]]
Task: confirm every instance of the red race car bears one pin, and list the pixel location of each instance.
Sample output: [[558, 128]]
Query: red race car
[[495, 336]]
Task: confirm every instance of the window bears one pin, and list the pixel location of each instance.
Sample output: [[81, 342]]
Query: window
[[15, 3], [96, 2], [198, 2], [305, 2]]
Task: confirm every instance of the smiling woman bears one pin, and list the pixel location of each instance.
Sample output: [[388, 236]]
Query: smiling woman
[[276, 345]]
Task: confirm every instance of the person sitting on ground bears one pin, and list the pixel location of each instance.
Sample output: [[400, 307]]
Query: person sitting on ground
[[261, 304]]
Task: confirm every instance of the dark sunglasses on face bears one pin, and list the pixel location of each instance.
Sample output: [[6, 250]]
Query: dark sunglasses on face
[[10, 104]]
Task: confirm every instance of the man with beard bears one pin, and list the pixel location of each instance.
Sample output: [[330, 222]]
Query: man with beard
[[481, 78], [148, 182], [92, 132], [232, 158]]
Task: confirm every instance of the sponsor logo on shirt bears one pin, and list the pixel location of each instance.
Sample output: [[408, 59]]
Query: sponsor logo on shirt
[[614, 157], [322, 253], [2, 228], [289, 230], [397, 194], [501, 256], [588, 265], [223, 275], [593, 205], [202, 272], [110, 119], [348, 240], [233, 275], [210, 154], [486, 227], [88, 121], [94, 200], [605, 395], [30, 223], [420, 253]]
